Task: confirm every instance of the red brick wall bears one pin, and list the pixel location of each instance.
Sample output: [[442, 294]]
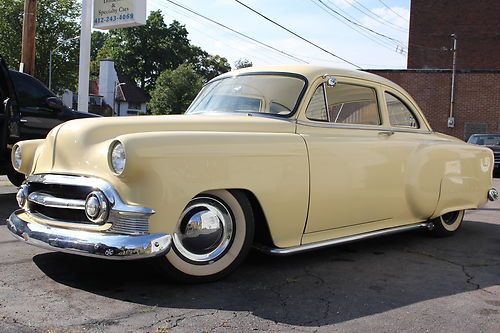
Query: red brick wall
[[477, 97], [475, 22]]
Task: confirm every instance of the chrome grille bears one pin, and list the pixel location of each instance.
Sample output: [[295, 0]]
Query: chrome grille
[[132, 225], [62, 198]]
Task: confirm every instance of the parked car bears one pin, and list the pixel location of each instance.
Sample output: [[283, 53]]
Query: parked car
[[29, 111], [491, 141], [286, 159]]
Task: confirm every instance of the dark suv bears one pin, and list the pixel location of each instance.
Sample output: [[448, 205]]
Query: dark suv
[[28, 110], [491, 141]]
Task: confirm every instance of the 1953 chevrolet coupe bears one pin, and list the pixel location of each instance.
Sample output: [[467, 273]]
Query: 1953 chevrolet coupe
[[286, 159]]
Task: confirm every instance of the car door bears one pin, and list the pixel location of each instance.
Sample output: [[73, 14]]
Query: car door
[[356, 171], [7, 105], [35, 118]]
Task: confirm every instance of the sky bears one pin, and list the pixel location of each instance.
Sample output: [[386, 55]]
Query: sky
[[310, 19]]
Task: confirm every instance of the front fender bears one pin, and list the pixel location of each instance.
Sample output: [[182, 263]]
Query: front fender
[[166, 170]]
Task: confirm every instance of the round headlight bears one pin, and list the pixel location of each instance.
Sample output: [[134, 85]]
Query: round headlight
[[97, 207], [18, 156], [118, 159]]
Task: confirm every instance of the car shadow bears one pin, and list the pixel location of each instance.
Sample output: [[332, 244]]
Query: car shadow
[[317, 288]]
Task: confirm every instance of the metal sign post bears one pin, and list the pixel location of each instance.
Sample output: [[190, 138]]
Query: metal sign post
[[83, 77], [108, 14]]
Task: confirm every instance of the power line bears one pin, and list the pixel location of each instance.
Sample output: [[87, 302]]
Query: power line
[[237, 32], [362, 26], [383, 3], [382, 42], [297, 35], [367, 11], [251, 55]]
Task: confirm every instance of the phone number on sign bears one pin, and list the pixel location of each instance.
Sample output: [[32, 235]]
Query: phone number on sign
[[114, 18]]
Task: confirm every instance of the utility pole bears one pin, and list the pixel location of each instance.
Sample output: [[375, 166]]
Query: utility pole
[[29, 31], [451, 118]]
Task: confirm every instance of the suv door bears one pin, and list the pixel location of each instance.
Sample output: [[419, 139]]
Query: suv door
[[35, 118], [7, 106]]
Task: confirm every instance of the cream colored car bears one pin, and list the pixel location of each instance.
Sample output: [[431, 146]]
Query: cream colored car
[[286, 159]]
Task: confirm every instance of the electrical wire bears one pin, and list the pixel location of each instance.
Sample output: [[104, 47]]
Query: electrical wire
[[362, 26], [194, 19], [237, 32], [297, 35], [392, 10], [367, 11], [382, 42]]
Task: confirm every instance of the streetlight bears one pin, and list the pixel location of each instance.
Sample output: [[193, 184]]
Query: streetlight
[[114, 97], [50, 58]]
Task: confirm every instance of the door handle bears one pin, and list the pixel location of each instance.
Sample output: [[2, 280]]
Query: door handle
[[23, 120], [386, 133]]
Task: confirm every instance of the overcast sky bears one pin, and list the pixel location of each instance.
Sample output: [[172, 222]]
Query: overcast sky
[[308, 18]]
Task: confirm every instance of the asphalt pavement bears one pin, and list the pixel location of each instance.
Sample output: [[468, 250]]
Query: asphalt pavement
[[401, 283]]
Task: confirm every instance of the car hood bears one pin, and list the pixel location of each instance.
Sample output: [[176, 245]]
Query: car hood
[[77, 142]]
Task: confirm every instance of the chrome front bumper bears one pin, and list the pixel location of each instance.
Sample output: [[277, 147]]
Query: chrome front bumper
[[92, 244]]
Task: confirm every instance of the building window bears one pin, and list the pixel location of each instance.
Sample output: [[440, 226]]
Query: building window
[[134, 106]]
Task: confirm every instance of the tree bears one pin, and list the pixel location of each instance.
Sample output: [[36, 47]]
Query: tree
[[175, 90], [142, 53], [209, 66], [57, 21], [243, 63]]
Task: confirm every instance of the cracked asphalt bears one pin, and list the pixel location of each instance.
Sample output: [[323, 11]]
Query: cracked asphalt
[[408, 282]]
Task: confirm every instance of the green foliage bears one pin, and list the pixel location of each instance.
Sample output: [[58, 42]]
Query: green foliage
[[175, 90], [243, 63], [56, 21], [142, 53]]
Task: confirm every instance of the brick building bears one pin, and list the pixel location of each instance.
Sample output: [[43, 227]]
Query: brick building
[[477, 82]]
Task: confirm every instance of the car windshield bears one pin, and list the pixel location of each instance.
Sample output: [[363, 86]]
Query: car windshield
[[255, 93], [485, 140]]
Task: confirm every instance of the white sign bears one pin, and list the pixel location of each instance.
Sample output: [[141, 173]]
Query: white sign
[[114, 14]]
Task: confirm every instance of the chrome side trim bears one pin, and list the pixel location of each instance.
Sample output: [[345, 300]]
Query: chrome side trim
[[342, 240], [48, 200], [362, 127], [91, 244]]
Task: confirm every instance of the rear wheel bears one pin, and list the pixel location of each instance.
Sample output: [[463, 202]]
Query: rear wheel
[[447, 224], [214, 234]]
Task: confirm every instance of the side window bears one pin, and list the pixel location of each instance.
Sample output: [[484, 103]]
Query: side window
[[316, 110], [347, 104], [31, 92], [399, 114], [352, 104]]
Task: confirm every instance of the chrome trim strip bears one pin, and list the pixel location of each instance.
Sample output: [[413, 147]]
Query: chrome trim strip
[[91, 244], [341, 240], [48, 200], [362, 127]]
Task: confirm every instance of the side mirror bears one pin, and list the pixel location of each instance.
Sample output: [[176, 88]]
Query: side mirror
[[54, 103]]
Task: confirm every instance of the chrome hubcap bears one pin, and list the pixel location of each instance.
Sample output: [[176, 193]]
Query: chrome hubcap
[[205, 230]]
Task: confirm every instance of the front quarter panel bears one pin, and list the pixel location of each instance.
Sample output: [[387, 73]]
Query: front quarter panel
[[165, 170]]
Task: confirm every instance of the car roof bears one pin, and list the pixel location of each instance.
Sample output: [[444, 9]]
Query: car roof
[[312, 72]]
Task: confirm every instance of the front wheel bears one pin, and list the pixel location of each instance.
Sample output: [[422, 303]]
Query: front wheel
[[214, 234], [16, 178], [447, 224]]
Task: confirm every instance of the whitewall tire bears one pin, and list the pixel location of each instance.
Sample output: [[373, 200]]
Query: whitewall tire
[[213, 236]]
